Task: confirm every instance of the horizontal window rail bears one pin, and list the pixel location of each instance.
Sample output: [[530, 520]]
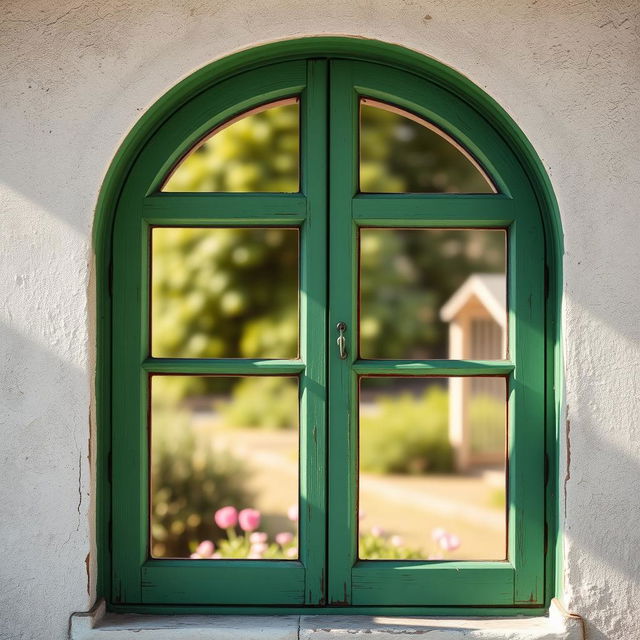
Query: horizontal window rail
[[214, 366], [433, 367], [225, 209], [428, 210]]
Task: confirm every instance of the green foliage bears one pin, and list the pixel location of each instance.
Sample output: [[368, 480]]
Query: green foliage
[[400, 155], [233, 292], [269, 402], [258, 152], [190, 481], [406, 277], [407, 434]]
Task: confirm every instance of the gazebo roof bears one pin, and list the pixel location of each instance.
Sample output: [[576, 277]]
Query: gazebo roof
[[488, 288]]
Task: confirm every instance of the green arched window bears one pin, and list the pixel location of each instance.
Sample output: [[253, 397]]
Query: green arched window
[[328, 313]]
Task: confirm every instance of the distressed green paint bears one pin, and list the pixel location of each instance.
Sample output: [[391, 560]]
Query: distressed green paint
[[368, 210], [313, 310], [171, 581], [343, 480], [432, 367]]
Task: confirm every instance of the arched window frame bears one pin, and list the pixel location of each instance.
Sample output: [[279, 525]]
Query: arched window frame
[[485, 124]]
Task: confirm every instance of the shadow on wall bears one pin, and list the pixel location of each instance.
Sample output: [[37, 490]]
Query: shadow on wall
[[45, 493]]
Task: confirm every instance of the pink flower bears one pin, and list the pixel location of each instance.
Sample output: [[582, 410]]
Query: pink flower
[[259, 547], [284, 538], [195, 556], [436, 534], [292, 553], [292, 513], [362, 514], [249, 519], [226, 517], [258, 537], [377, 532], [449, 542], [205, 549], [396, 541]]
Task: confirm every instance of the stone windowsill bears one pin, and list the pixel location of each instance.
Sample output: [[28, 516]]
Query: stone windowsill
[[99, 625]]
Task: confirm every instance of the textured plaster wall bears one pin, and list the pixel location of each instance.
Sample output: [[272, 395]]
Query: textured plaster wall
[[74, 78]]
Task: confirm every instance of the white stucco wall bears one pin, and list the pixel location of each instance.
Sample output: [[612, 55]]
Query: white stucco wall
[[75, 77]]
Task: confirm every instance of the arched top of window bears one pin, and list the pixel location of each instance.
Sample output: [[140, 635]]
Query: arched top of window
[[274, 149], [401, 152], [257, 151]]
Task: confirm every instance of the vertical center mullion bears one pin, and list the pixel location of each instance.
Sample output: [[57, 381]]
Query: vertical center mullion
[[313, 305], [343, 116]]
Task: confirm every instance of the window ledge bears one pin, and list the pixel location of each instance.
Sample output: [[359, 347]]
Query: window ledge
[[99, 625]]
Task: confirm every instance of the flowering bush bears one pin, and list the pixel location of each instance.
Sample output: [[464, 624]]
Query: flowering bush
[[253, 544], [250, 544]]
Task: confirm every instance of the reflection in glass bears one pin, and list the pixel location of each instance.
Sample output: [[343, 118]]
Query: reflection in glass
[[224, 467], [224, 293], [432, 480], [402, 153], [258, 151], [422, 289]]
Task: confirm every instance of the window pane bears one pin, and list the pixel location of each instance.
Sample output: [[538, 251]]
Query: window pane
[[224, 467], [258, 151], [224, 293], [432, 468], [433, 293], [402, 153]]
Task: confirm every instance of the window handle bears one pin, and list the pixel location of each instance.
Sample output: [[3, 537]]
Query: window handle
[[342, 343]]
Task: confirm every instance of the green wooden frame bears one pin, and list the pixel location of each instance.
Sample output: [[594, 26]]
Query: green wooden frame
[[328, 74]]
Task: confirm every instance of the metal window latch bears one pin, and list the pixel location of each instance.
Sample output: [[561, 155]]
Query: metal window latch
[[342, 343]]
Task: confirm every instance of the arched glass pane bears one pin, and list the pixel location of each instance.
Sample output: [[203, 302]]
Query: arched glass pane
[[402, 153], [255, 152]]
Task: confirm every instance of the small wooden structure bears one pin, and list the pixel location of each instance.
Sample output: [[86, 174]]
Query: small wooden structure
[[477, 318]]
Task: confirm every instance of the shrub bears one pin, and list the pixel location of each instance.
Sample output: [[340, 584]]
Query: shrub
[[268, 402], [191, 480], [408, 434]]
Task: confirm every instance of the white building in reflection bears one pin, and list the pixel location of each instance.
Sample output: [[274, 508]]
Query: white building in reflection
[[477, 318]]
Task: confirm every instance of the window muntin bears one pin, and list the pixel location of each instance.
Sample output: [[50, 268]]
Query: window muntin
[[403, 153], [257, 151]]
